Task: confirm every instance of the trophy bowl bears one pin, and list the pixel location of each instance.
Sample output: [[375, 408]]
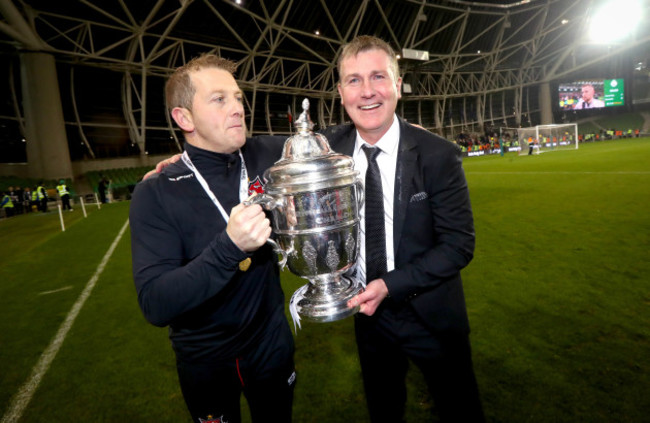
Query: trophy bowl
[[314, 196]]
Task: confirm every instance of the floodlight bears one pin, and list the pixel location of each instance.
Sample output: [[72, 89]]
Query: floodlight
[[413, 54], [615, 20]]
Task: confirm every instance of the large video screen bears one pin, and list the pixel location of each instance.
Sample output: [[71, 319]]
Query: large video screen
[[591, 94]]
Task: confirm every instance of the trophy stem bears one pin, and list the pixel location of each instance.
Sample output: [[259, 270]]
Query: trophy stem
[[326, 296]]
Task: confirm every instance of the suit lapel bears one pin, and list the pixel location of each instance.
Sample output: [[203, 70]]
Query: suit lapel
[[407, 157], [349, 138]]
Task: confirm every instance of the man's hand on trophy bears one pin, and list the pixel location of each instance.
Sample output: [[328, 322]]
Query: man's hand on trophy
[[370, 299], [248, 227], [161, 165]]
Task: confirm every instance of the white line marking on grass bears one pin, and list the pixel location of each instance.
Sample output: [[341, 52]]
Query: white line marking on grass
[[25, 393], [54, 291]]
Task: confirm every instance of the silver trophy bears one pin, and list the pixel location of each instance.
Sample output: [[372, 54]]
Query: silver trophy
[[314, 196]]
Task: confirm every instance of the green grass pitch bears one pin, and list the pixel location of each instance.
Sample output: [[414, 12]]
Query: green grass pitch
[[558, 296]]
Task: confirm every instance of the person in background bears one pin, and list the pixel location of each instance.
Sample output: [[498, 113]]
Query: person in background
[[413, 306], [207, 273], [102, 187], [64, 194], [41, 196], [27, 200], [7, 205], [17, 198], [36, 205]]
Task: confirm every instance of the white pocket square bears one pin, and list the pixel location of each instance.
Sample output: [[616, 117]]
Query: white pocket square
[[418, 197]]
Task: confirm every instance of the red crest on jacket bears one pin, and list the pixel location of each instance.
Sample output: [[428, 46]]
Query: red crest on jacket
[[256, 186]]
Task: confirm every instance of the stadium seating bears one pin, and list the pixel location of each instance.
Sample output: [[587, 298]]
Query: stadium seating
[[621, 122], [122, 180]]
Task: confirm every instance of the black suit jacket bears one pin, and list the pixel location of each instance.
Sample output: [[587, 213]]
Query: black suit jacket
[[433, 228]]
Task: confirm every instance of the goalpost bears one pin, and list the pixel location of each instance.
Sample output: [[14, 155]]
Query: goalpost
[[542, 138]]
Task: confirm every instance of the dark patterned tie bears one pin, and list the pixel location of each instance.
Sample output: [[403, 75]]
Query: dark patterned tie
[[375, 225]]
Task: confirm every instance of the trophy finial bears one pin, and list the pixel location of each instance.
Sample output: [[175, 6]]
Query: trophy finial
[[304, 123]]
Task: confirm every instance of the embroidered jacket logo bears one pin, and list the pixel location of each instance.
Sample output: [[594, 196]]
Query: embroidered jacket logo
[[180, 178], [256, 186]]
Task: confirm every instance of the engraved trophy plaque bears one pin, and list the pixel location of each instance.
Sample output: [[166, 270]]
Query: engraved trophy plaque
[[314, 196]]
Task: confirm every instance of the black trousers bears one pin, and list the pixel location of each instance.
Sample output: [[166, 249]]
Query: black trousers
[[266, 377], [65, 200], [386, 341]]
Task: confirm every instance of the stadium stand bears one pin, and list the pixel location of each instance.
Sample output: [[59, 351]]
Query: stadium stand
[[122, 180], [623, 125], [622, 122]]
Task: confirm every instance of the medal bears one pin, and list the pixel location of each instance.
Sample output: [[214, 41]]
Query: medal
[[245, 264]]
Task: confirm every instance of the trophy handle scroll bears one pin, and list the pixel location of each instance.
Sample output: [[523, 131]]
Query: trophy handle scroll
[[269, 203]]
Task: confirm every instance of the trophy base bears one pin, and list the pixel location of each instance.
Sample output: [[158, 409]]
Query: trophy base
[[326, 301]]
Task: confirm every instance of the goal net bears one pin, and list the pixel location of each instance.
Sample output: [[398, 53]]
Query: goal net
[[542, 138]]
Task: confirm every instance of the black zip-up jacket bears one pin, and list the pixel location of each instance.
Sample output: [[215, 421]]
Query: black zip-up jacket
[[185, 266]]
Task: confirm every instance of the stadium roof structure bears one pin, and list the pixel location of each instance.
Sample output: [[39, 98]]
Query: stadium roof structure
[[479, 52]]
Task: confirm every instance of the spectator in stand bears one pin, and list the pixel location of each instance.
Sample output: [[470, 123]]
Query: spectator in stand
[[588, 101]]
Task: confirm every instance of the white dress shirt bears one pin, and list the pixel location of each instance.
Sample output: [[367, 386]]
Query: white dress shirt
[[387, 162], [593, 104]]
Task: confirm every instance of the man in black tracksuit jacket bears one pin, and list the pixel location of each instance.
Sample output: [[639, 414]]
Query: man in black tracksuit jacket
[[226, 320]]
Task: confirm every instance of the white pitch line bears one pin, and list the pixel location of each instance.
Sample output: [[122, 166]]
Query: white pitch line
[[54, 291], [21, 399]]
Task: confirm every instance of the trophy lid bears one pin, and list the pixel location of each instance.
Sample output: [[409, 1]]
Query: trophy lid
[[305, 144], [308, 162]]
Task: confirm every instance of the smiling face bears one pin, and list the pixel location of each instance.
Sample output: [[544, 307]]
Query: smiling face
[[216, 119], [369, 92]]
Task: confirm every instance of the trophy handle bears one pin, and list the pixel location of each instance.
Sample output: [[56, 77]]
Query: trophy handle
[[361, 196], [268, 202], [278, 250]]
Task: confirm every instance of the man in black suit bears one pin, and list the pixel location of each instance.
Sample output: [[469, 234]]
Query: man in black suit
[[413, 307]]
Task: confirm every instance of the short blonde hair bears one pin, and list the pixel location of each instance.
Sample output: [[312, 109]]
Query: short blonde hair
[[179, 91], [365, 43]]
